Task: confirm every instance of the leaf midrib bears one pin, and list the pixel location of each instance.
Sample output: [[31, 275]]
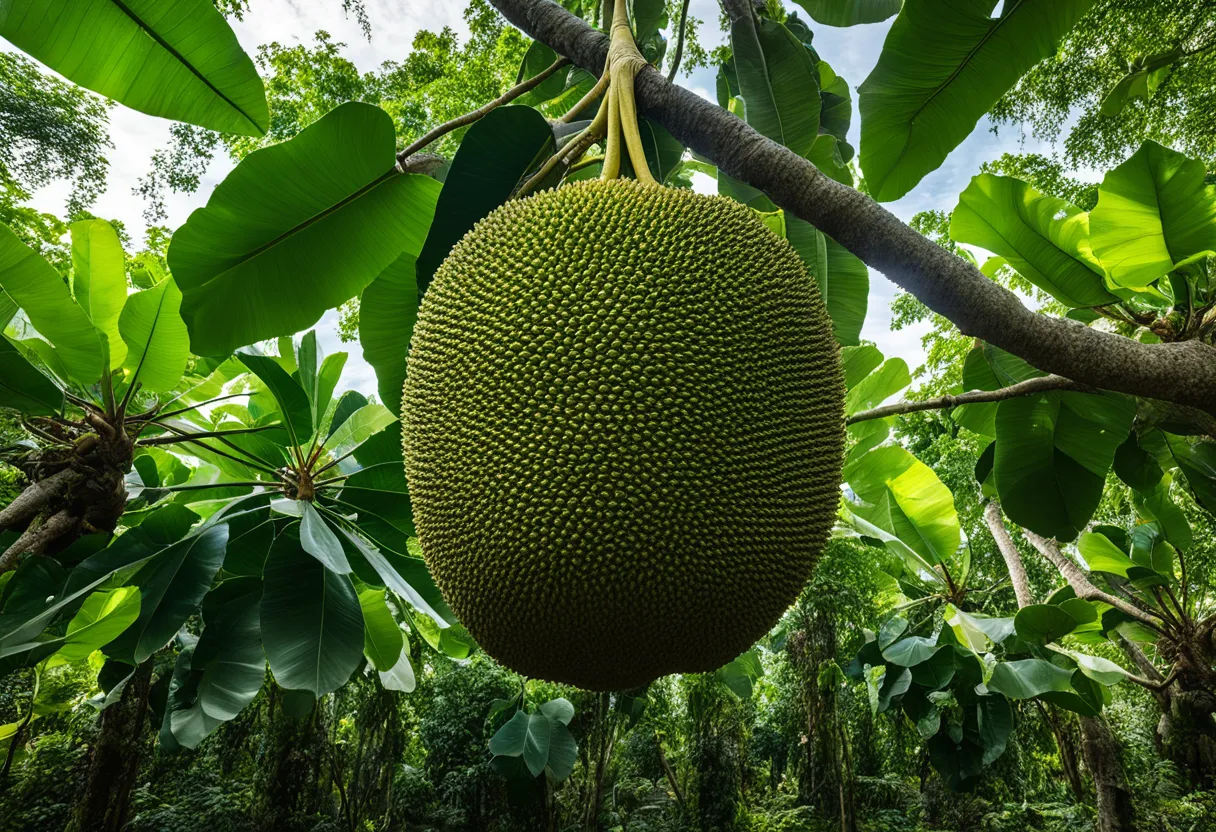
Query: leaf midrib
[[298, 228], [150, 32], [992, 30]]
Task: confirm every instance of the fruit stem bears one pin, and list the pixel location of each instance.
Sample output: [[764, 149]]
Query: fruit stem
[[622, 66]]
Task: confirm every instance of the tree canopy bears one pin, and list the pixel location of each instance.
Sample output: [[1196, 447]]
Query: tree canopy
[[216, 606]]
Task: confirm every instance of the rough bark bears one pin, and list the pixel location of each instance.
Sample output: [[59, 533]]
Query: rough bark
[[291, 779], [36, 497], [1101, 751], [1104, 759], [1064, 728], [114, 758], [1184, 373], [38, 537], [1013, 561]]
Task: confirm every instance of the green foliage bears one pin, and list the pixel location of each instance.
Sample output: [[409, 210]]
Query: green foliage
[[934, 81], [48, 130], [178, 60], [1117, 40]]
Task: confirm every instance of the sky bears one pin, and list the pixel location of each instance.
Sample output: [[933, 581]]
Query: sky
[[852, 53]]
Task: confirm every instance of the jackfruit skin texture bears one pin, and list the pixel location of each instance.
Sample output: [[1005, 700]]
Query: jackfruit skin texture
[[623, 432]]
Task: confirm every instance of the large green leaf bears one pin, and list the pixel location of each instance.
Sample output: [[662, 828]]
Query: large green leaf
[[100, 619], [318, 540], [173, 584], [1044, 238], [99, 280], [537, 59], [172, 58], [406, 576], [943, 65], [843, 280], [907, 499], [296, 229], [493, 157], [541, 739], [158, 345], [1028, 678], [1101, 555], [778, 81], [878, 386], [388, 311], [358, 428], [312, 626], [230, 654], [34, 285], [382, 639], [1043, 623], [648, 16], [294, 407], [1154, 213], [849, 12], [23, 386], [910, 651], [1197, 461], [1053, 452]]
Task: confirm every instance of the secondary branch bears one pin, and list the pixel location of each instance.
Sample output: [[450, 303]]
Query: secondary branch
[[1040, 384], [1178, 372]]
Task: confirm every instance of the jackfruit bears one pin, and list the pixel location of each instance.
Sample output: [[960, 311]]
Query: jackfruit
[[623, 431]]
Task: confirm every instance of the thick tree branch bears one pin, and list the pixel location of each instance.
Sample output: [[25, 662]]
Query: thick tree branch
[[37, 538], [1009, 551], [1023, 388], [1085, 588], [1184, 372], [36, 497]]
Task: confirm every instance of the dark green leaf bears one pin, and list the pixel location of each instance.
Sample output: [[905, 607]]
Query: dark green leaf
[[778, 81], [173, 584], [493, 157], [1053, 453], [1043, 623], [849, 12], [294, 408], [312, 626], [1028, 678], [23, 387], [278, 244]]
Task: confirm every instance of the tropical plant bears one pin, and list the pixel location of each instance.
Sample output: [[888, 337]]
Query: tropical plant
[[185, 489]]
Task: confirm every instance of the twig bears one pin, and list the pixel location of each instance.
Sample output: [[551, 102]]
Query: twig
[[470, 117], [675, 61], [1151, 685], [572, 151], [1040, 384], [211, 434], [584, 102]]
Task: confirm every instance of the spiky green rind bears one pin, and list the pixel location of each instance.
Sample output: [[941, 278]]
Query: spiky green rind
[[623, 432]]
